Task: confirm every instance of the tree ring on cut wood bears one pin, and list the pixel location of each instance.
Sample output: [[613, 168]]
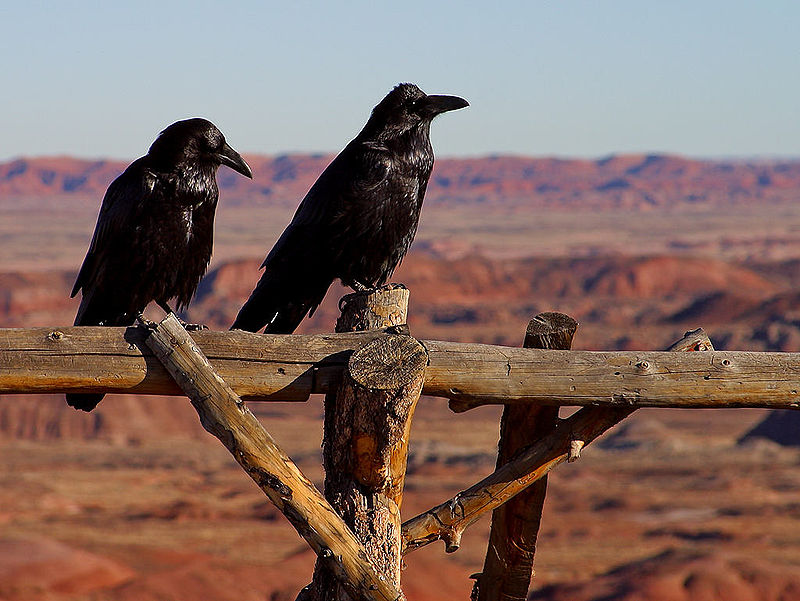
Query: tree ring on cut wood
[[388, 362]]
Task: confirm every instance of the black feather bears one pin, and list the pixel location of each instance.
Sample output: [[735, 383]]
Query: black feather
[[154, 233], [358, 220]]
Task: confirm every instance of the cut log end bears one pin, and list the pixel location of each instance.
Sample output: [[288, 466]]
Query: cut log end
[[388, 363]]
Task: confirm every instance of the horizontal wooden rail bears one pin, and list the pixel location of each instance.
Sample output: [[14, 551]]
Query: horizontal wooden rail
[[265, 367]]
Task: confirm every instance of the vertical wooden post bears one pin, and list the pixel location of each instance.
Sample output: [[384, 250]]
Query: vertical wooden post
[[367, 425], [508, 566]]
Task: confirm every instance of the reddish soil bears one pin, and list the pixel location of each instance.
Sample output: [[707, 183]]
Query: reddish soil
[[136, 502], [685, 576]]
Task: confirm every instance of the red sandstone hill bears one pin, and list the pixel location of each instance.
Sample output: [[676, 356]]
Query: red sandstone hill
[[618, 181], [685, 576], [621, 302], [474, 294]]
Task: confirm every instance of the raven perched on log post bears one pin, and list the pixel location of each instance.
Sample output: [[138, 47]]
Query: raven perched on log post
[[359, 218], [155, 230]]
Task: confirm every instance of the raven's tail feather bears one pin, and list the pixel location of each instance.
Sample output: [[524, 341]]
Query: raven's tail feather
[[274, 317], [280, 306], [84, 402], [92, 313]]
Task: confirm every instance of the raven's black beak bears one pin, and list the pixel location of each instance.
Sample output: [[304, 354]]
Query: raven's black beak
[[435, 105], [228, 156]]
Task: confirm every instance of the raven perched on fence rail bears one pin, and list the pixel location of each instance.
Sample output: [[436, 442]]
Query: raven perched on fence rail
[[154, 233], [359, 218]]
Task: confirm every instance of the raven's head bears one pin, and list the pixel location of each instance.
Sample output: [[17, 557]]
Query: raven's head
[[197, 141], [406, 107]]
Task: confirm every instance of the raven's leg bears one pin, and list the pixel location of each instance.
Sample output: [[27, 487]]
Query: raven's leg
[[190, 327]]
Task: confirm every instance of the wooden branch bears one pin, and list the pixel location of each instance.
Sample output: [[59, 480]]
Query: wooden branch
[[276, 367], [367, 424], [508, 566], [224, 415], [448, 520]]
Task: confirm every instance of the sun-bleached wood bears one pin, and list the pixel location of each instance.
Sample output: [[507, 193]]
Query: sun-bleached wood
[[508, 566], [276, 367], [225, 415], [367, 426], [448, 520]]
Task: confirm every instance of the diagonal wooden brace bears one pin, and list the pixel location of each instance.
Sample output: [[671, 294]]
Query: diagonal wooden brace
[[225, 415], [448, 520]]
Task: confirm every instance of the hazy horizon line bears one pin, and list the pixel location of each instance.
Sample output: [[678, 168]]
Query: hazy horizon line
[[486, 155]]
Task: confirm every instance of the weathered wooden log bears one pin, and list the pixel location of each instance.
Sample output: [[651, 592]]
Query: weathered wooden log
[[367, 425], [508, 566], [94, 359], [276, 367], [224, 415], [448, 520], [375, 310]]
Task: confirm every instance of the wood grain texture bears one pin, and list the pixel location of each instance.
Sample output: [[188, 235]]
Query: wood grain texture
[[225, 415], [376, 309], [274, 367], [508, 566], [366, 433], [448, 520]]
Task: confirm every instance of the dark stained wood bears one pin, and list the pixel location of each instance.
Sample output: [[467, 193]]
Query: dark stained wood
[[508, 567], [225, 415]]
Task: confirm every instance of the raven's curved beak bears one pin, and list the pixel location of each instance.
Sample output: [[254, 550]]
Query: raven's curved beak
[[228, 156], [435, 105]]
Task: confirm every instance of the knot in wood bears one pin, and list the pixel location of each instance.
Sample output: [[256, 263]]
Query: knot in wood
[[388, 362]]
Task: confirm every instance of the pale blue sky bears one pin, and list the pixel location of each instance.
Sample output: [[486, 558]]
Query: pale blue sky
[[568, 77]]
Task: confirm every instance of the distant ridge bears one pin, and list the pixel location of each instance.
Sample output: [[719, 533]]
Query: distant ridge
[[619, 181]]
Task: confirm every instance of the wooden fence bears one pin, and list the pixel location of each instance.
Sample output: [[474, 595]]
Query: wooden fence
[[373, 373]]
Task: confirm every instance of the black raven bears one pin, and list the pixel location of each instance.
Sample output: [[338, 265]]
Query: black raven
[[359, 218], [154, 232]]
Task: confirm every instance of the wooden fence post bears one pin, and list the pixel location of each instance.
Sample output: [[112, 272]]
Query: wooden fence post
[[224, 415], [448, 520], [367, 424], [508, 566]]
